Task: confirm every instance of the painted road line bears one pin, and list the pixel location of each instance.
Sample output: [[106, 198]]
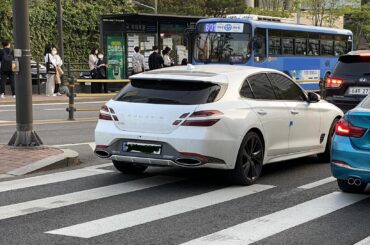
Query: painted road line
[[51, 178], [7, 110], [317, 183], [145, 215], [74, 144], [366, 241], [55, 109], [93, 146], [60, 103], [19, 209], [55, 121], [263, 227]]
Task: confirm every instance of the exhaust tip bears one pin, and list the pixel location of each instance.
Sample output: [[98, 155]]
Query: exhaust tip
[[351, 181], [102, 153], [357, 182], [188, 162]]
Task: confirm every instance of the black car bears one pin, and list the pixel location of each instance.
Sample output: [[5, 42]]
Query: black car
[[350, 81]]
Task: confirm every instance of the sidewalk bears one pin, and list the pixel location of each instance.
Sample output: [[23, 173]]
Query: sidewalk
[[15, 161], [39, 99]]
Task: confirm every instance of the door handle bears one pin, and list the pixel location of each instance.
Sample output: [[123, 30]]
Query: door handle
[[294, 112], [262, 113]]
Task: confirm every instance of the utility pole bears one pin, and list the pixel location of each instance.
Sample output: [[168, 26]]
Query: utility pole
[[24, 136], [60, 28], [156, 6]]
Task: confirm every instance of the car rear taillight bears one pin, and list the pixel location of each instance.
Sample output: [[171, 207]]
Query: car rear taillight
[[344, 128], [334, 82], [105, 114], [199, 121]]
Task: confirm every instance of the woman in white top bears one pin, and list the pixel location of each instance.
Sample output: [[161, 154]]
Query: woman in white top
[[52, 60], [166, 57], [93, 60]]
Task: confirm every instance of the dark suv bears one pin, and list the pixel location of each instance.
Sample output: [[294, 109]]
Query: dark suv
[[350, 81]]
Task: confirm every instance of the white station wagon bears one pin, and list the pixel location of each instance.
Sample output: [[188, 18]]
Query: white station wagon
[[228, 117]]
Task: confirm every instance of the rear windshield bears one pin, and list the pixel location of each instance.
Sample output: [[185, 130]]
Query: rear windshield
[[354, 65], [366, 103], [169, 92]]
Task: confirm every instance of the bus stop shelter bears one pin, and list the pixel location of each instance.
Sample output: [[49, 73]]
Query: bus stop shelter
[[121, 33]]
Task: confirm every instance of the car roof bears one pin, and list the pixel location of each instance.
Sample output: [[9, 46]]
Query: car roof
[[210, 72]]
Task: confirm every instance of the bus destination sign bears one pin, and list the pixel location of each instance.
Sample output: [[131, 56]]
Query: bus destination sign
[[224, 27]]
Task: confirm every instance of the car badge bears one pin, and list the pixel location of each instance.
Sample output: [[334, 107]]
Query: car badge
[[363, 80]]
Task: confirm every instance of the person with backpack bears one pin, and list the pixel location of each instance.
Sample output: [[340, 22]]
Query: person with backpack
[[137, 62], [155, 59], [6, 59]]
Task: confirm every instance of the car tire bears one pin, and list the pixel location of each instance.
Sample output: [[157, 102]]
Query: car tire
[[345, 187], [129, 168], [326, 155], [248, 166]]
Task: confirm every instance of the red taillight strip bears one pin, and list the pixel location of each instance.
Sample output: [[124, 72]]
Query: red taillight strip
[[206, 113], [200, 123], [107, 113], [334, 82], [344, 128]]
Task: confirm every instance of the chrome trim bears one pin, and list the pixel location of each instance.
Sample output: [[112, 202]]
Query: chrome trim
[[142, 160], [350, 168]]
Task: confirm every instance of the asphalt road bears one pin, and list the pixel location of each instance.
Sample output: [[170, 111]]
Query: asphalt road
[[294, 202]]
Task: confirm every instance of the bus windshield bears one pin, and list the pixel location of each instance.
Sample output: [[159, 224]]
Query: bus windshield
[[222, 42]]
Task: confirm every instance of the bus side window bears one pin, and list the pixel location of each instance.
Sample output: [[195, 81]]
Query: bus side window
[[313, 47], [260, 50], [300, 46], [287, 46]]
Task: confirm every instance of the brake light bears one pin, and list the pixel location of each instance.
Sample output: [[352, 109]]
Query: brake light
[[105, 113], [199, 122], [334, 82], [344, 128]]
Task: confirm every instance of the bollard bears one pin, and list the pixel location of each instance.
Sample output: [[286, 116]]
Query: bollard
[[71, 95]]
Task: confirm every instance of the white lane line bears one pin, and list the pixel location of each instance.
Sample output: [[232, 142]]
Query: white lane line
[[366, 241], [52, 178], [60, 103], [145, 215], [93, 146], [75, 144], [262, 227], [317, 183], [24, 208], [7, 110], [55, 109]]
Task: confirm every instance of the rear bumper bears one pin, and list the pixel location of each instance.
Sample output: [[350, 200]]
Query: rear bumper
[[348, 161], [344, 102]]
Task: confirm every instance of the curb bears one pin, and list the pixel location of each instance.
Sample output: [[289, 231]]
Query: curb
[[65, 159]]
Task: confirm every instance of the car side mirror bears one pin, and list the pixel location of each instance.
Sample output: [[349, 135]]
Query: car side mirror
[[313, 97]]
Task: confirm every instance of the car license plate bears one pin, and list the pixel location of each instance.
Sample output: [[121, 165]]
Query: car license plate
[[359, 90], [135, 147]]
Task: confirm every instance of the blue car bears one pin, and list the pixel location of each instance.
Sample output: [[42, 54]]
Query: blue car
[[350, 159]]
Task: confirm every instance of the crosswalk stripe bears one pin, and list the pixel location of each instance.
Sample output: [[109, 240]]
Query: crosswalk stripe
[[317, 183], [262, 227], [366, 241], [50, 178], [48, 203], [145, 215]]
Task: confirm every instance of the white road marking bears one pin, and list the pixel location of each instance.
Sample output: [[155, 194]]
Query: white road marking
[[366, 241], [19, 209], [93, 146], [75, 144], [61, 103], [317, 183], [7, 110], [55, 109], [262, 227], [52, 178], [145, 215]]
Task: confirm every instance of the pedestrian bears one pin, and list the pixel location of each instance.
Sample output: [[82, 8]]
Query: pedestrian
[[53, 63], [101, 72], [167, 62], [155, 59], [138, 64], [6, 59], [93, 60]]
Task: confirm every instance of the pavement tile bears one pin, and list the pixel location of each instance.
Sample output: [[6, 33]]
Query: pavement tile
[[12, 158]]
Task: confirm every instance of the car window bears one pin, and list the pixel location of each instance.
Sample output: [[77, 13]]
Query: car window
[[353, 65], [285, 88], [366, 103], [261, 87], [246, 90], [169, 92]]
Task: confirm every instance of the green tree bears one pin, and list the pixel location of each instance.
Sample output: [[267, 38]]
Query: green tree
[[359, 23]]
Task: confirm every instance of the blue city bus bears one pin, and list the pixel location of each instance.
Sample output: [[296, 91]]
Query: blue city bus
[[306, 53]]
